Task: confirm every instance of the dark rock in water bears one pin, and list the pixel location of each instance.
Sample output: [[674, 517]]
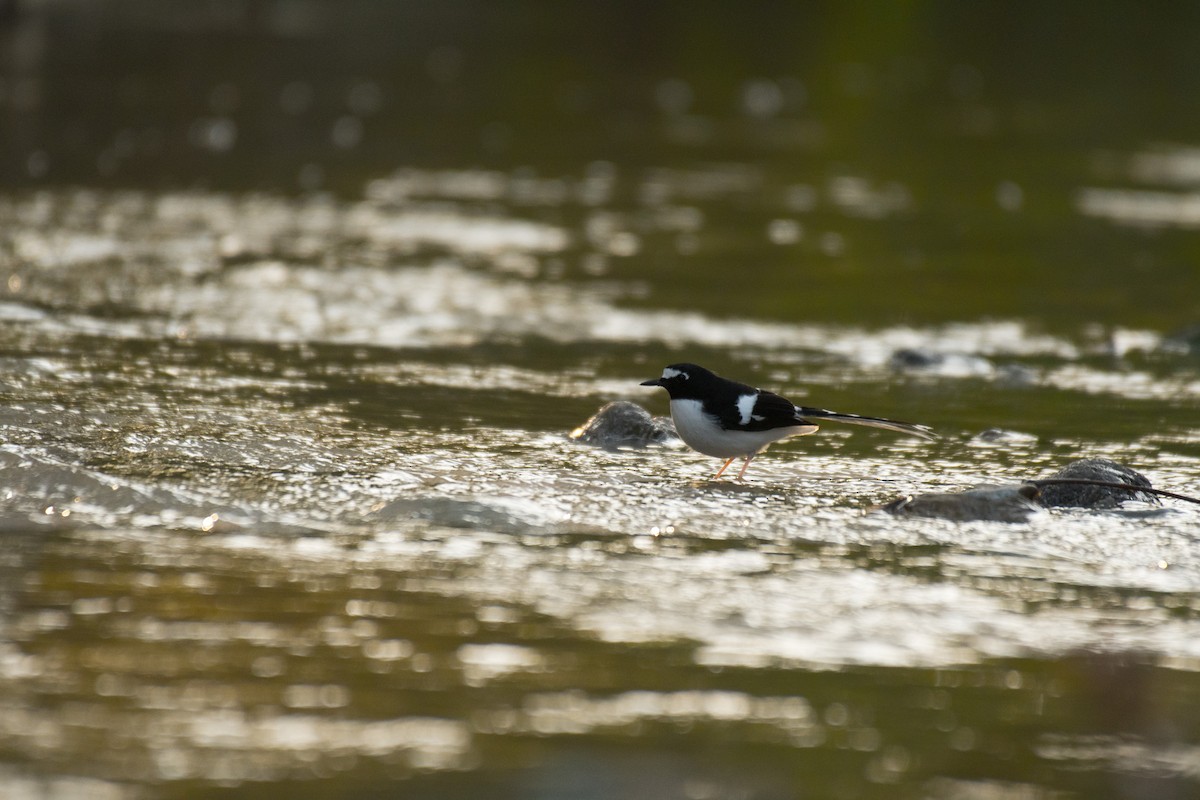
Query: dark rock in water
[[910, 358], [1003, 437], [1186, 340], [1014, 503], [451, 512], [1010, 503], [1016, 375], [963, 365], [1084, 496], [624, 424]]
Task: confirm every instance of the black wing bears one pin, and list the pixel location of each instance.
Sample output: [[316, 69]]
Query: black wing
[[769, 411]]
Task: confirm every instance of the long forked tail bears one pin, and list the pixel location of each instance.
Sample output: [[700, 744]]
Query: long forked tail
[[912, 429]]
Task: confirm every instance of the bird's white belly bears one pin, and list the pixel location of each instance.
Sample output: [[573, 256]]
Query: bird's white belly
[[704, 433]]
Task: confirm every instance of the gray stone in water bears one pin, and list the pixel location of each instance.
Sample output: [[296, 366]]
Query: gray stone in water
[[1084, 496], [1014, 503], [1185, 340], [908, 359], [624, 424], [1009, 503], [911, 358], [1002, 436], [450, 512]]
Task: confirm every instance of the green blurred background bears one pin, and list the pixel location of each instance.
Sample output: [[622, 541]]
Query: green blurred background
[[976, 127]]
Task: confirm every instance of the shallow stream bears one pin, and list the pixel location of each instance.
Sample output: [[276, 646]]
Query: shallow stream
[[289, 505]]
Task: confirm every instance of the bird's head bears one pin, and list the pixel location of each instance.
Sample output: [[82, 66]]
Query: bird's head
[[682, 380]]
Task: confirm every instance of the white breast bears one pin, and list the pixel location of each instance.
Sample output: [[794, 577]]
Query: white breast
[[704, 433]]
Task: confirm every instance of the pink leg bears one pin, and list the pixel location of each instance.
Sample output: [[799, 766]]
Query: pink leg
[[742, 474], [724, 467]]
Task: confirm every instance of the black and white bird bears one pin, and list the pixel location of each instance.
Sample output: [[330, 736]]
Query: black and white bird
[[727, 419]]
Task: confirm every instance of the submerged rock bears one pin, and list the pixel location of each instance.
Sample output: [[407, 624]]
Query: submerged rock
[[624, 424], [1002, 437], [1009, 503], [1185, 340], [912, 358], [1085, 496], [1015, 502], [451, 512], [958, 365], [946, 364]]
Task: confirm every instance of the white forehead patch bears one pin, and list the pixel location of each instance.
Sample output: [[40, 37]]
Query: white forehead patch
[[669, 373], [745, 406]]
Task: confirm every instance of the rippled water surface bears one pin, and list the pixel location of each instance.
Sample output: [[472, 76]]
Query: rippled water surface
[[289, 505]]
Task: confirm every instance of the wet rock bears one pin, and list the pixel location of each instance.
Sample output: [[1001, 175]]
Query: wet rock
[[624, 424], [958, 365], [451, 512], [1008, 503], [911, 358], [1016, 375], [1015, 502], [1002, 437], [1084, 496], [1185, 340]]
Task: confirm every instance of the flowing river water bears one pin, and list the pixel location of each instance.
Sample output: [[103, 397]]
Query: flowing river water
[[290, 507]]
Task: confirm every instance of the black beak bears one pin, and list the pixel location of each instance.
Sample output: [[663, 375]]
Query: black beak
[[653, 382]]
